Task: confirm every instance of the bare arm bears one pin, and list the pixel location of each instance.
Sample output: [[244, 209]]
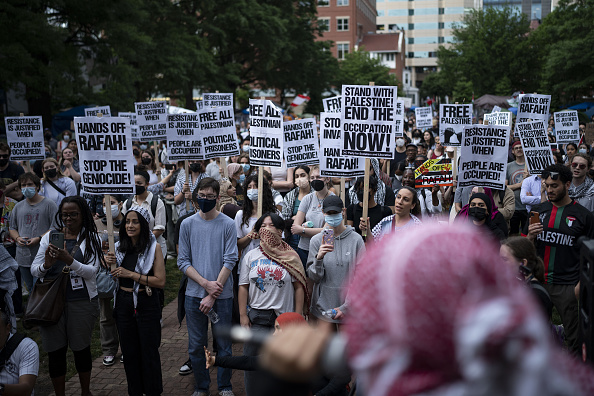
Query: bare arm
[[299, 297], [242, 299]]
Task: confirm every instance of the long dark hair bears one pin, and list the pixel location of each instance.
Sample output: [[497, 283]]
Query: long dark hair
[[89, 229], [277, 221], [126, 245], [248, 205], [522, 248], [416, 210]]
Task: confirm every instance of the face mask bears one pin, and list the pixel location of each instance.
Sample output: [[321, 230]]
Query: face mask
[[317, 185], [206, 205], [246, 148], [477, 213], [3, 161], [400, 142], [140, 190], [333, 220], [28, 192], [252, 194], [146, 161], [136, 152], [583, 151], [51, 173], [416, 140], [195, 167], [114, 211], [66, 138], [399, 178], [47, 154], [360, 196], [241, 178], [48, 136], [143, 146], [302, 182], [246, 167]]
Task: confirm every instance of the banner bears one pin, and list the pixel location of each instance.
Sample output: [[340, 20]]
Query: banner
[[332, 162], [483, 160], [133, 123], [93, 111], [535, 143], [266, 134], [424, 117], [25, 138], [533, 107], [217, 100], [499, 119], [105, 155], [333, 104], [567, 126], [184, 141], [217, 127], [434, 172], [152, 120], [368, 121], [301, 142], [452, 120], [399, 116]]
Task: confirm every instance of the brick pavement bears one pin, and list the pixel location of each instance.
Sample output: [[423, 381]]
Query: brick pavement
[[111, 381]]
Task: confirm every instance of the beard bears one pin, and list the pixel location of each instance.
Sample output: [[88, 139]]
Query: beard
[[561, 196]]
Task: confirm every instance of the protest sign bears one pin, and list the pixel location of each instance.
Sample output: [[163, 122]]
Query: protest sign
[[25, 138], [496, 109], [301, 142], [434, 172], [217, 127], [199, 105], [93, 111], [133, 123], [368, 121], [407, 102], [184, 140], [483, 162], [452, 120], [533, 107], [266, 133], [567, 126], [152, 120], [333, 104], [500, 119], [217, 100], [535, 143], [399, 119], [424, 117], [105, 155], [589, 133], [332, 162]]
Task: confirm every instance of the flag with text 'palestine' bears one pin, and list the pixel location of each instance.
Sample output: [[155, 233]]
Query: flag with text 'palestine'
[[299, 99]]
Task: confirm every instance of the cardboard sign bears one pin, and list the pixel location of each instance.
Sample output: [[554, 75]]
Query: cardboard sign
[[500, 119], [25, 138], [199, 105], [93, 111], [533, 107], [452, 120], [266, 134], [589, 134], [483, 162], [332, 162], [105, 154], [217, 127], [184, 140], [333, 104], [301, 142], [434, 172], [567, 126], [152, 120], [424, 117], [217, 100], [399, 119], [133, 123], [368, 121], [535, 143]]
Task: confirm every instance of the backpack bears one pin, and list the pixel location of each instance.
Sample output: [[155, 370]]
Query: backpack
[[154, 203], [11, 345]]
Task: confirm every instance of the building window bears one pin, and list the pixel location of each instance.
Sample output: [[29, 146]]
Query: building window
[[323, 3], [380, 27], [342, 2], [324, 24], [441, 10], [342, 50], [381, 13], [411, 12], [392, 26], [440, 25], [342, 24], [411, 40], [390, 57], [411, 26], [441, 40]]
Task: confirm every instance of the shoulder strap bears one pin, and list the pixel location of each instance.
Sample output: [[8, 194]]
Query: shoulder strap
[[154, 203], [128, 203], [58, 189], [541, 288], [11, 345]]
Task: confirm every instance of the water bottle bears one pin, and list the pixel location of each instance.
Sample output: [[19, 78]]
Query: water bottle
[[330, 314], [213, 316]]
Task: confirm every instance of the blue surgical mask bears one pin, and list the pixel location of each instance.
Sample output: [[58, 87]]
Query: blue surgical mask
[[241, 178], [28, 192], [246, 148], [252, 194], [333, 220], [246, 167], [143, 146]]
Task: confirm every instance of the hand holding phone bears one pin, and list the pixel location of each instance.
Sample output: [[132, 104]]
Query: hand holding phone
[[328, 236], [534, 218], [57, 239]]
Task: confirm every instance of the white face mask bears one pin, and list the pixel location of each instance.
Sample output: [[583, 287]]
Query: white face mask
[[400, 142], [115, 211], [416, 140], [301, 182]]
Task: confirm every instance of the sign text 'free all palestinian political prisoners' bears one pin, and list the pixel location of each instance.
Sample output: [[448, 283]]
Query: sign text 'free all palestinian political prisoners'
[[25, 138], [424, 117], [483, 162], [434, 172], [567, 126], [301, 142], [452, 120], [368, 121], [184, 141], [217, 100], [332, 162], [93, 111], [536, 146], [217, 128], [266, 134], [152, 120], [105, 154]]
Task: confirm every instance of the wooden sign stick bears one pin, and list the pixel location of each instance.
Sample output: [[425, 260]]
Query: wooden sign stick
[[107, 198], [260, 182], [366, 184], [188, 179]]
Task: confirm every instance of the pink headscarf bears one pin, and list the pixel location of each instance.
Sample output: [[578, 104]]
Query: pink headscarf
[[232, 169], [457, 324]]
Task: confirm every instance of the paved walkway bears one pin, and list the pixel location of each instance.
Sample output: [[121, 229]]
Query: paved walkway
[[111, 381]]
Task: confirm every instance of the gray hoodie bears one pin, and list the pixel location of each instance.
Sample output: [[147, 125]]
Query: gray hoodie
[[330, 274]]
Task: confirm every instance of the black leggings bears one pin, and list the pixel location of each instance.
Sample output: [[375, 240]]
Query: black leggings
[[57, 361]]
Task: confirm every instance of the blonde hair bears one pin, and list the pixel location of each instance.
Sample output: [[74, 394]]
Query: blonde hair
[[53, 161]]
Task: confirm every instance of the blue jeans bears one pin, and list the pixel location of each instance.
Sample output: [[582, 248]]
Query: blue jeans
[[27, 278], [198, 339]]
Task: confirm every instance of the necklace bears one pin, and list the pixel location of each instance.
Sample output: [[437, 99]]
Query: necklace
[[320, 203]]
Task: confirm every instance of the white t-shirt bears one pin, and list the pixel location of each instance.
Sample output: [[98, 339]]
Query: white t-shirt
[[270, 285], [23, 361], [244, 229]]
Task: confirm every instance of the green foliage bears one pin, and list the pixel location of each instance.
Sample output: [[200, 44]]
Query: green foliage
[[463, 91], [359, 68]]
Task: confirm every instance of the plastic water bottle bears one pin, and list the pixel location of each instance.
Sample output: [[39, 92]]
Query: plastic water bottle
[[213, 316], [330, 314]]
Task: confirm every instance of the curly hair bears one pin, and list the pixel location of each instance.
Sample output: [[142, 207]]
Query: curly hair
[[267, 200]]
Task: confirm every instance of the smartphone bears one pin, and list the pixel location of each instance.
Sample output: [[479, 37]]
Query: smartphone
[[169, 166], [57, 239], [534, 218], [328, 236]]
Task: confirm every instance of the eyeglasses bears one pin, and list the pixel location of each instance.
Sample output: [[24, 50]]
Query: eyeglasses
[[576, 165], [552, 175], [207, 196], [72, 215]]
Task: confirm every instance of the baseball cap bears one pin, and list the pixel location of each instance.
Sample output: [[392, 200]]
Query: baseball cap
[[332, 202]]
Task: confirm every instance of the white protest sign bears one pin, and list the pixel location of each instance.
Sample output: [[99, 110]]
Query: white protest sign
[[133, 123], [424, 117], [93, 111], [184, 141], [217, 100], [217, 127], [301, 142], [105, 154], [533, 107], [332, 162], [25, 138], [333, 104], [535, 143], [152, 120], [399, 119], [407, 102], [452, 120], [501, 119], [496, 109], [266, 134], [199, 105], [567, 126], [483, 162], [368, 120]]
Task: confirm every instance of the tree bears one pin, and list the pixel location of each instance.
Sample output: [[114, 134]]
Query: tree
[[359, 68]]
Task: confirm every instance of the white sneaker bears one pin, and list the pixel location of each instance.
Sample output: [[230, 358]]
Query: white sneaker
[[196, 393], [226, 392]]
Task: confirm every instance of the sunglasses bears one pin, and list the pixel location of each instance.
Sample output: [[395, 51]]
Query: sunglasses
[[576, 165], [552, 175]]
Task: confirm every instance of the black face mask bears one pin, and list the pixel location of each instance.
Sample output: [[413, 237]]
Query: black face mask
[[140, 190], [317, 185], [51, 173], [360, 195], [146, 161], [195, 167], [136, 153], [477, 213], [3, 161]]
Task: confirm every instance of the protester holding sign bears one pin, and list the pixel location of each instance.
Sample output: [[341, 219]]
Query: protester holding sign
[[515, 174], [404, 217], [282, 178], [69, 166], [429, 199], [184, 185], [147, 158], [488, 220], [582, 187], [55, 185], [384, 196], [375, 213], [9, 173], [293, 199]]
